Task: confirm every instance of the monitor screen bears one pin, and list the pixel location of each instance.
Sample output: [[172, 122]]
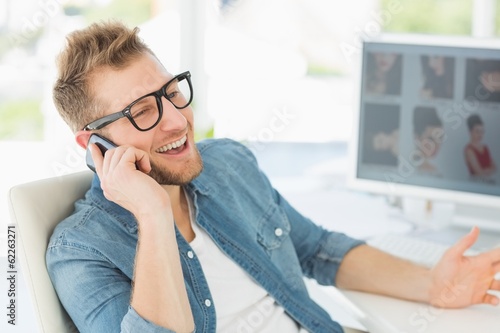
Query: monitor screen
[[428, 120]]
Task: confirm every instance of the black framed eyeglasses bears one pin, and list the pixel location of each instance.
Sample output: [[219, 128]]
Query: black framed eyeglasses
[[146, 112]]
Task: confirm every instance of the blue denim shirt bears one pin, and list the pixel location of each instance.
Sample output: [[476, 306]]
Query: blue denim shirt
[[91, 254]]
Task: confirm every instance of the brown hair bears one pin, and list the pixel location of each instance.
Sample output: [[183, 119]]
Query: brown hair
[[109, 44]]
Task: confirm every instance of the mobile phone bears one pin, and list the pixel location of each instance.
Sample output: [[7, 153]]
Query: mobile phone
[[102, 143]]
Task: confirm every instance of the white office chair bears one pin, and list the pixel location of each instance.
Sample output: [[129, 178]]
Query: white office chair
[[36, 208]]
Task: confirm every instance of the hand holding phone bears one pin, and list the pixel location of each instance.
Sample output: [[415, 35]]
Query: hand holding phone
[[102, 143], [127, 190]]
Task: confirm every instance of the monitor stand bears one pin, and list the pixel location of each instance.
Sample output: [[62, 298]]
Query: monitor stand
[[446, 222]]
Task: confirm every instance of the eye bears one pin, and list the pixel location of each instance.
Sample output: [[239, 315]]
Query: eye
[[143, 107], [172, 94], [143, 111], [172, 91], [138, 114]]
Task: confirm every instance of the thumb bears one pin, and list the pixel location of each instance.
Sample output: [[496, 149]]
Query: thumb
[[465, 242]]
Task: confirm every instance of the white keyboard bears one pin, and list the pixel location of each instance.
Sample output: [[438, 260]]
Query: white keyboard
[[420, 251]]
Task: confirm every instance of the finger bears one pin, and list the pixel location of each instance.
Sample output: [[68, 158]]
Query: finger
[[496, 268], [129, 157], [143, 163], [107, 157], [495, 285], [138, 159], [465, 242], [114, 156], [491, 299]]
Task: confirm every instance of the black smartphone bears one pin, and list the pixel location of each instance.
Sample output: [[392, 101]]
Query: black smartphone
[[102, 143]]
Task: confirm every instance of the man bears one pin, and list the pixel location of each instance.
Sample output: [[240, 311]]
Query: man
[[175, 236]]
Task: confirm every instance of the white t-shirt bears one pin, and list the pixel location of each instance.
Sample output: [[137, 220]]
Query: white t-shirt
[[242, 306]]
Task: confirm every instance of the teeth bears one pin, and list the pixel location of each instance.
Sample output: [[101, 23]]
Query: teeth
[[172, 145]]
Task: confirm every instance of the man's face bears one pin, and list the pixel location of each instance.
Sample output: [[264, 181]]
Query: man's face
[[116, 89]]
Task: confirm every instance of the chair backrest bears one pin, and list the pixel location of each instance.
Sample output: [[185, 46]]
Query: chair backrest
[[36, 208]]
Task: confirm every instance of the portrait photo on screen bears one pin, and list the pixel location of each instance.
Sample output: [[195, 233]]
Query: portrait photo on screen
[[483, 80], [383, 73], [381, 134], [438, 76], [428, 131], [477, 155]]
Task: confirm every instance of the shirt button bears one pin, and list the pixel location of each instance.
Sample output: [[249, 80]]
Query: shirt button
[[278, 232], [190, 254], [208, 303]]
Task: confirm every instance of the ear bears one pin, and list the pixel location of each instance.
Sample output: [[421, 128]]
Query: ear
[[82, 138]]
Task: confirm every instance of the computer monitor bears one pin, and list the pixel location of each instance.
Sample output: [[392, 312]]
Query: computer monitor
[[428, 121]]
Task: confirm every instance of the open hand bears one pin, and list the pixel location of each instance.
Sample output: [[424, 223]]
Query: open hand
[[459, 281]]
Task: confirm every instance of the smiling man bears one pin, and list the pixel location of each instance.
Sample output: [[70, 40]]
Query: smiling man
[[178, 236]]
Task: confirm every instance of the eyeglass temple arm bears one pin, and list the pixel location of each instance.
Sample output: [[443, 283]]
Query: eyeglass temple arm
[[100, 123]]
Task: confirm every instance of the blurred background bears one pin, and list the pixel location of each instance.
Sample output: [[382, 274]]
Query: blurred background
[[263, 70]]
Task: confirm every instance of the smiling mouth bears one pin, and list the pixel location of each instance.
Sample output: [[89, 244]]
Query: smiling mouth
[[173, 145]]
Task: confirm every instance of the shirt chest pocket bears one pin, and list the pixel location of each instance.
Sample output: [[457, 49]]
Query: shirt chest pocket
[[273, 228]]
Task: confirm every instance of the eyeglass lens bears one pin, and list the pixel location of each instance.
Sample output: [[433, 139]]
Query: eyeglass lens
[[145, 112]]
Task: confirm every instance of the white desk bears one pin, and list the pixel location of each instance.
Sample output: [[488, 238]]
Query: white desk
[[386, 315]]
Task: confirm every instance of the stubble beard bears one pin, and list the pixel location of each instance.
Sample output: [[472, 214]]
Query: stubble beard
[[192, 169]]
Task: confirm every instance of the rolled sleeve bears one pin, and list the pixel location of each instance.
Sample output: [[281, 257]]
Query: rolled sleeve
[[331, 251], [133, 322]]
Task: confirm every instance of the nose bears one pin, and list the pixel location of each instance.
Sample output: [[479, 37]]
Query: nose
[[172, 118]]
